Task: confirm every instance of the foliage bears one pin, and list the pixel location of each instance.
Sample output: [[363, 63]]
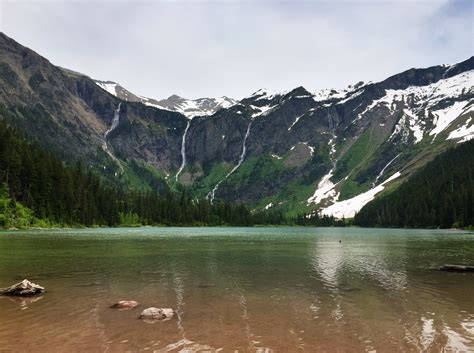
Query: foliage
[[12, 213]]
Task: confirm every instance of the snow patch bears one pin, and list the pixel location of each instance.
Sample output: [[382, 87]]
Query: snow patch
[[425, 97], [464, 132], [294, 122], [346, 94], [348, 208], [262, 111], [264, 93], [444, 117], [325, 190], [311, 148], [414, 124], [108, 86]]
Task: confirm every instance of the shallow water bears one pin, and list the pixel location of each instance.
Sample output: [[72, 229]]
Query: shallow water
[[239, 289]]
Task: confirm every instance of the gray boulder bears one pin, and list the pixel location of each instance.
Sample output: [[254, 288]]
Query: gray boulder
[[156, 314]]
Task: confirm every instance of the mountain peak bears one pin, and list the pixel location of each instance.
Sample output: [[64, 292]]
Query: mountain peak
[[175, 97], [188, 107]]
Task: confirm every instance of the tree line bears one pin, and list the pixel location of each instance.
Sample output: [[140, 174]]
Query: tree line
[[439, 195]]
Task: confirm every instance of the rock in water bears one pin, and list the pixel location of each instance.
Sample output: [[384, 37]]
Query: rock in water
[[22, 289], [457, 268], [156, 314], [125, 304]]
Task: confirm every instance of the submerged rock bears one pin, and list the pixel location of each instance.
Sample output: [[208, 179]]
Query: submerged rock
[[125, 304], [205, 285], [23, 288], [156, 314], [457, 268]]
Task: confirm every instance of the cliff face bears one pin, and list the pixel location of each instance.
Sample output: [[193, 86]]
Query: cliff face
[[295, 150]]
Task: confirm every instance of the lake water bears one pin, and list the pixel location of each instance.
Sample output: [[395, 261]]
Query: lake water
[[239, 290]]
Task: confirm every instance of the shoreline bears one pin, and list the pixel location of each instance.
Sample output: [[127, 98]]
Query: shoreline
[[468, 229]]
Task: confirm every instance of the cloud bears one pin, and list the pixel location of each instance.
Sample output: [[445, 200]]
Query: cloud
[[213, 48]]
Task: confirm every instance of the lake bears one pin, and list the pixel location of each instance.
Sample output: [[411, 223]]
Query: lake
[[239, 290]]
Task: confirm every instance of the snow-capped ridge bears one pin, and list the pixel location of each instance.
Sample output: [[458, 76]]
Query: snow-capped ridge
[[188, 107], [108, 86], [345, 93]]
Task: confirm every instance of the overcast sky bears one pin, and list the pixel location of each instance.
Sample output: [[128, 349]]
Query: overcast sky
[[214, 48]]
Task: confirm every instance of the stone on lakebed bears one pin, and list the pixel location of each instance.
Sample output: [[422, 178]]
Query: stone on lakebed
[[156, 314], [125, 304], [457, 268], [22, 289]]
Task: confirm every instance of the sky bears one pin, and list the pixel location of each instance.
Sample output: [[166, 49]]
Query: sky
[[233, 48]]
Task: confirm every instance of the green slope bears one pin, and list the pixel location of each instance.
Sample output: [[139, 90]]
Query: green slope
[[441, 194]]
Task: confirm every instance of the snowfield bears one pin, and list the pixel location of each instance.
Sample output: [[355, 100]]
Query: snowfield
[[325, 190], [423, 101], [464, 133], [348, 208], [108, 86]]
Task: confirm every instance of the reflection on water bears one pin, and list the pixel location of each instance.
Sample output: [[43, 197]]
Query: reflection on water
[[239, 290]]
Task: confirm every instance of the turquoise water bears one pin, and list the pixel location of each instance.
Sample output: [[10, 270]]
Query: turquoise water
[[239, 289]]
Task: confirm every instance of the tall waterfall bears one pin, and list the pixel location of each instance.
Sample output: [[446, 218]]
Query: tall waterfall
[[212, 194], [183, 150], [115, 122]]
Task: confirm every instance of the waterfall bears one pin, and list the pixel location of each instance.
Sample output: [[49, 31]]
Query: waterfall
[[383, 170], [244, 149], [183, 150], [211, 195], [115, 122]]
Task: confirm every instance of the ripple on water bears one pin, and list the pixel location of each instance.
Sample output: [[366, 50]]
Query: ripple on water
[[247, 289]]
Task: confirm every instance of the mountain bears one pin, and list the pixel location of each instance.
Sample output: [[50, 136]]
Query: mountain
[[314, 150], [188, 107], [298, 151], [67, 113]]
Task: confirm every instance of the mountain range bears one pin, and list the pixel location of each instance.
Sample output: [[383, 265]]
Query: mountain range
[[330, 151]]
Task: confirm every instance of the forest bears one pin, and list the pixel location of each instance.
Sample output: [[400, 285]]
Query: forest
[[440, 195], [38, 190]]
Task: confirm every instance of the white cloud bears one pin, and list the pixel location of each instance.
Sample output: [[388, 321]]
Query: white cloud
[[213, 48]]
